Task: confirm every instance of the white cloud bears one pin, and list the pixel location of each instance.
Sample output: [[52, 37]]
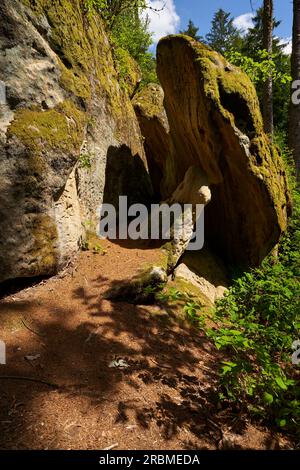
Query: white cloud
[[287, 42], [162, 22], [244, 22]]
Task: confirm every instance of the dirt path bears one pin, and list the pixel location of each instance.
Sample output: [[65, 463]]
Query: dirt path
[[65, 333]]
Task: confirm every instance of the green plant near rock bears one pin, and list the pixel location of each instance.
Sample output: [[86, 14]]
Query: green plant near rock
[[255, 327], [85, 160], [192, 311], [171, 294], [130, 37], [259, 70], [190, 304], [99, 250], [111, 10], [257, 323]]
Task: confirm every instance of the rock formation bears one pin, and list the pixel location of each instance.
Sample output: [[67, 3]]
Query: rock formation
[[149, 108], [193, 191], [215, 124], [64, 115], [204, 271], [70, 139]]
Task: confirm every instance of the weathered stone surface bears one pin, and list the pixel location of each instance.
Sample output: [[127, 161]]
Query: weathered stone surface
[[192, 191], [215, 124], [64, 113], [150, 111], [206, 272]]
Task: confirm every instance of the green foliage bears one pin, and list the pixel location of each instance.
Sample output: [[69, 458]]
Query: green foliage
[[110, 10], [191, 306], [192, 309], [98, 250], [85, 161], [131, 33], [172, 294], [123, 65], [148, 68], [223, 35], [251, 47], [192, 31], [253, 40], [259, 70], [90, 245], [258, 321]]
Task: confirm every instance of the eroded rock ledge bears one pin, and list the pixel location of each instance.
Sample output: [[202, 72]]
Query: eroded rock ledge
[[65, 117], [215, 123]]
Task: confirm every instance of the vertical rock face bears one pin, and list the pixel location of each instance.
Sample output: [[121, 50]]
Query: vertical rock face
[[62, 115], [150, 111], [216, 125]]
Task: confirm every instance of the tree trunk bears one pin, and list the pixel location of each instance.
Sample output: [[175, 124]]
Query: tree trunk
[[294, 118], [268, 86]]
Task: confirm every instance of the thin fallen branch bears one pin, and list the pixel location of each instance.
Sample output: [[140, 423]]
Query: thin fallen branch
[[113, 446], [28, 379], [160, 365], [32, 331]]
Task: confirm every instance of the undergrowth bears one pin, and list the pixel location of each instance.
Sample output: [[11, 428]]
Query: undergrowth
[[257, 326]]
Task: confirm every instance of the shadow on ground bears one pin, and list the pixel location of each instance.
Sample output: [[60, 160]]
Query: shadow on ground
[[165, 398]]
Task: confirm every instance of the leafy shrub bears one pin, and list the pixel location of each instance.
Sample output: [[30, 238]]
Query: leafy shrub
[[129, 32], [191, 306], [111, 10], [259, 70], [258, 321], [85, 160]]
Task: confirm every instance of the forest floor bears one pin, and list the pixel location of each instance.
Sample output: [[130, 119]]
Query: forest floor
[[63, 332]]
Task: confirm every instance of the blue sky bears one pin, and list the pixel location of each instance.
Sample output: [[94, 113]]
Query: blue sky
[[177, 13]]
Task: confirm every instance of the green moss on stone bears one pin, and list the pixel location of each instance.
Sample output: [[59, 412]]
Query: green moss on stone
[[85, 53], [44, 249], [219, 78], [60, 128], [150, 101]]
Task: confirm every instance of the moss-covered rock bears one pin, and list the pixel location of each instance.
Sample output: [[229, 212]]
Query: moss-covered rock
[[41, 131], [216, 124], [128, 70], [64, 103]]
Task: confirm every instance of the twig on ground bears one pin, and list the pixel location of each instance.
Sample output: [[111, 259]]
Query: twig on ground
[[32, 331], [160, 365], [28, 379], [113, 446]]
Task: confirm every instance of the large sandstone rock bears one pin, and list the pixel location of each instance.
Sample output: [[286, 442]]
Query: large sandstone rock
[[149, 107], [192, 194], [64, 116], [206, 272], [215, 124]]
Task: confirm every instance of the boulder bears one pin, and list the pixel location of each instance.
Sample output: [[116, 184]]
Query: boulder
[[142, 289], [149, 107], [64, 115], [206, 272], [193, 194], [215, 124]]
